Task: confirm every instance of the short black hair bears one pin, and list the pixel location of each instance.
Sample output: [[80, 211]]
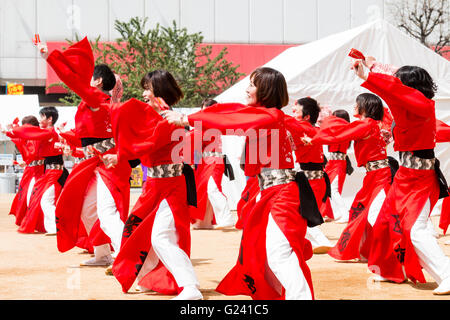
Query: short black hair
[[30, 120], [341, 113], [370, 106], [50, 112], [163, 85], [108, 77], [310, 108], [208, 102], [417, 78]]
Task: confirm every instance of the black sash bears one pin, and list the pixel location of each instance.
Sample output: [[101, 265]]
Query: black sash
[[191, 188], [228, 168], [308, 204], [328, 185], [443, 186], [349, 169], [57, 160], [393, 165]]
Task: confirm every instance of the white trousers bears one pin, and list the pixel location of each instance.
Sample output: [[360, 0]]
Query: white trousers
[[317, 238], [48, 207], [430, 254], [219, 204], [284, 263], [337, 202], [375, 207], [30, 190], [165, 248], [99, 204]]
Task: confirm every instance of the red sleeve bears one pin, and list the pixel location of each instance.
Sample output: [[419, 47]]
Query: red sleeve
[[234, 116], [336, 131], [32, 133], [71, 138], [442, 131], [75, 67], [135, 127], [397, 95]]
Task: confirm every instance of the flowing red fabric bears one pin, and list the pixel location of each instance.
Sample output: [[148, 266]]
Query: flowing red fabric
[[70, 231], [355, 240], [136, 241], [251, 275], [34, 218], [247, 201], [391, 246], [443, 135], [21, 207], [442, 131], [203, 173]]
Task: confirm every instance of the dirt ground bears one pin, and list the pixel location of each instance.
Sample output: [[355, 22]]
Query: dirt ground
[[32, 268]]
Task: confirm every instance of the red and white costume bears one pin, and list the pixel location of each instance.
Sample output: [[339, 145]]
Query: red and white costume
[[209, 172], [34, 169], [310, 160], [93, 194], [370, 152], [402, 243], [273, 251], [336, 169], [443, 135], [45, 192], [156, 239]]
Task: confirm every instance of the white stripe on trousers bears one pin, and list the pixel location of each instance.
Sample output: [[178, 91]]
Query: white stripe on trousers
[[431, 256], [165, 248], [337, 202], [99, 204], [48, 208], [284, 263], [219, 204], [30, 190]]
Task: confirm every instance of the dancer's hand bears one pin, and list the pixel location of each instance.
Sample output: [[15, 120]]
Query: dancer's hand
[[176, 118], [110, 160], [43, 50], [369, 62], [359, 69], [306, 140]]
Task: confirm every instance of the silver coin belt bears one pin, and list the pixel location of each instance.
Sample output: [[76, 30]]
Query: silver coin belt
[[336, 156], [407, 160], [377, 164], [165, 170], [273, 177]]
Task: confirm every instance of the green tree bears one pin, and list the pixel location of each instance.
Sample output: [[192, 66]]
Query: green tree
[[140, 50]]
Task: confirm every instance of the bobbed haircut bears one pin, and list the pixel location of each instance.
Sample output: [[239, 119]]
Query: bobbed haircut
[[341, 113], [417, 78], [163, 85], [108, 77], [370, 106], [30, 120], [50, 112], [208, 102], [271, 87], [310, 108]]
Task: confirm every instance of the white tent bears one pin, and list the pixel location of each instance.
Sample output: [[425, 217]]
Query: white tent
[[321, 69]]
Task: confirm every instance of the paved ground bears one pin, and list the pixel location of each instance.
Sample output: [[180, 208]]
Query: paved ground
[[32, 268]]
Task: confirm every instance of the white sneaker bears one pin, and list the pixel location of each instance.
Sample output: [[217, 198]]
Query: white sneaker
[[444, 287], [142, 289], [189, 293], [224, 226], [378, 278], [94, 262]]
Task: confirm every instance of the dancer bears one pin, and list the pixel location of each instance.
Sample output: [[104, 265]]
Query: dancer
[[403, 244], [34, 168], [96, 195], [46, 190], [273, 252], [212, 209], [156, 239], [337, 168], [370, 152], [310, 160]]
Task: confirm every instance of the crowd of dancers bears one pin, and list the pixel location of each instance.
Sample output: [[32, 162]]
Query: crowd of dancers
[[291, 189]]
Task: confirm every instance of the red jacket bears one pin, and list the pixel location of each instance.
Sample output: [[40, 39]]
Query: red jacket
[[413, 113]]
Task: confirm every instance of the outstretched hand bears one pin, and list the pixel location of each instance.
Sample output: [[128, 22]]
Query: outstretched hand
[[176, 118], [358, 66]]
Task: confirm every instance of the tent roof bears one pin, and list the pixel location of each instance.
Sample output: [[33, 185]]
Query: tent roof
[[321, 69]]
